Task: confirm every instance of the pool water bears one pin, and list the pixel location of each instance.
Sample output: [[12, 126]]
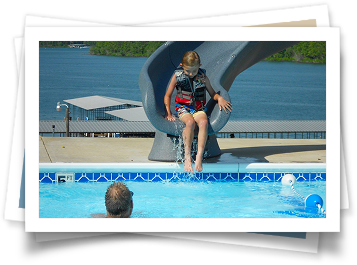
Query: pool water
[[185, 199]]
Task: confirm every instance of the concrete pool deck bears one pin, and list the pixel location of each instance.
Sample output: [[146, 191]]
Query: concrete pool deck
[[136, 150]]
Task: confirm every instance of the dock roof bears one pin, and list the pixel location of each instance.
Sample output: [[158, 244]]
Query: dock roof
[[95, 102], [132, 114]]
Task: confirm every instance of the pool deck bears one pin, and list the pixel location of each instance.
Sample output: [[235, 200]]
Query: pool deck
[[136, 150]]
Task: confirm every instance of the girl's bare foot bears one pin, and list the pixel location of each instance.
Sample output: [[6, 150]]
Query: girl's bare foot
[[188, 165], [198, 164]]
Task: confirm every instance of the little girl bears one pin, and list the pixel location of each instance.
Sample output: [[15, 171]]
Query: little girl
[[191, 83]]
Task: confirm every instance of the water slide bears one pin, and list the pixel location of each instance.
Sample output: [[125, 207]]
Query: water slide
[[223, 61]]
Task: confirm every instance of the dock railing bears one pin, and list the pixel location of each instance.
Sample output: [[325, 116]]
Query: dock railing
[[282, 129]]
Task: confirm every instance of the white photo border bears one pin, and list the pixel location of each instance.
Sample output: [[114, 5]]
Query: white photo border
[[329, 224]]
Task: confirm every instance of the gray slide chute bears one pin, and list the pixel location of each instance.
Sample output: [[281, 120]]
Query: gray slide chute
[[223, 61]]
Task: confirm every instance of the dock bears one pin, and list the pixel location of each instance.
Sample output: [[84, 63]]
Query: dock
[[233, 129]]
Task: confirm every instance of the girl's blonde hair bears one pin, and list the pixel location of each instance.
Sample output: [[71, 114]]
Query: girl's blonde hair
[[191, 58]]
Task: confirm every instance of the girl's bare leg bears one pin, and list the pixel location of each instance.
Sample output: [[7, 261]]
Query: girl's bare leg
[[187, 139], [202, 123]]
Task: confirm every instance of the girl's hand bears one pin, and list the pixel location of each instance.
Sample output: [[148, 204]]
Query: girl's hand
[[226, 105], [170, 118]]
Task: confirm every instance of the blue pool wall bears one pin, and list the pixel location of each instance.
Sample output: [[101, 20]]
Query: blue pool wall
[[243, 172]]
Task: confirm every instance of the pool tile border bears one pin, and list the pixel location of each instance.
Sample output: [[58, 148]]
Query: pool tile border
[[234, 173]]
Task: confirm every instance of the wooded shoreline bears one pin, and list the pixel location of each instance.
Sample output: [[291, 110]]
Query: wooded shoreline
[[304, 52]]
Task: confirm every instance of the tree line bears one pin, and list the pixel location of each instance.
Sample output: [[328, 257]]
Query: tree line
[[64, 44], [125, 48], [305, 51]]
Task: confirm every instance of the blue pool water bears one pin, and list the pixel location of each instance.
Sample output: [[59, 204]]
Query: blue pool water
[[184, 199], [164, 191]]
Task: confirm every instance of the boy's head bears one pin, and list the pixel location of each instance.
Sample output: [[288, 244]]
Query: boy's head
[[191, 62], [118, 201]]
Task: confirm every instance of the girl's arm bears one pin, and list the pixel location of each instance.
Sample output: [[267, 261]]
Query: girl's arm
[[222, 103], [167, 98]]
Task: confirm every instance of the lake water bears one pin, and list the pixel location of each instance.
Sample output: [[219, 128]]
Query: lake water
[[265, 91]]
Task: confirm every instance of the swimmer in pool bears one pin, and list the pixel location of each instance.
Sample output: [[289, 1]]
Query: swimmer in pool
[[118, 201]]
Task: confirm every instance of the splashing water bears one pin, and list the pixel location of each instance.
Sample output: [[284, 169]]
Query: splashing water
[[179, 148], [178, 143]]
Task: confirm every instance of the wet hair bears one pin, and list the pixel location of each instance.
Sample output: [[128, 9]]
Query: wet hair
[[118, 199], [191, 58]]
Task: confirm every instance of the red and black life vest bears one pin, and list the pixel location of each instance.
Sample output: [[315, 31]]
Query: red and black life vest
[[192, 94]]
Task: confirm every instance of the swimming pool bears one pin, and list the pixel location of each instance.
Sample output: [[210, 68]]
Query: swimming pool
[[164, 190]]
